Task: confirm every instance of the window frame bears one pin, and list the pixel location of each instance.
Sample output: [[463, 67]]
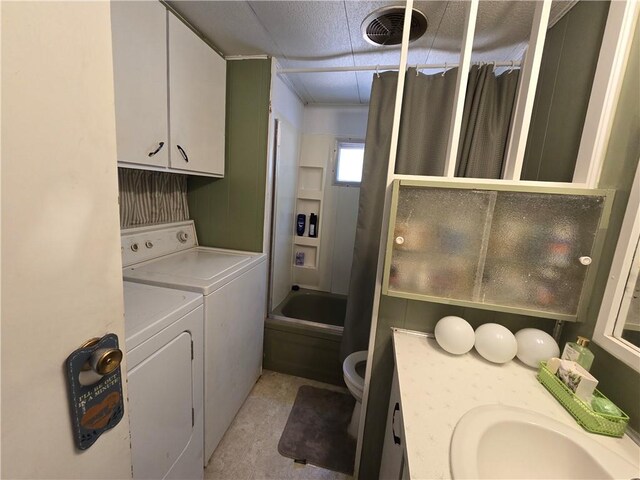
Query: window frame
[[608, 329], [336, 155]]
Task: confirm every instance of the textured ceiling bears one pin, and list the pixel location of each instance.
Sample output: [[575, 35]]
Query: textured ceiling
[[303, 34]]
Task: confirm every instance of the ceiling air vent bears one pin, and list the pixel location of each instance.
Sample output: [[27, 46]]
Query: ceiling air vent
[[384, 26]]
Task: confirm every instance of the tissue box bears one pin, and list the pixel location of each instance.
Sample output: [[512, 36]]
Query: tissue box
[[579, 381]]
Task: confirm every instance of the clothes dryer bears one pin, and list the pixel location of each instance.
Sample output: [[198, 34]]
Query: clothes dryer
[[164, 352], [234, 285]]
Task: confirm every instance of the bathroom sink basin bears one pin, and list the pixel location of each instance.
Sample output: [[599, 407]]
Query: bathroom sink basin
[[497, 441]]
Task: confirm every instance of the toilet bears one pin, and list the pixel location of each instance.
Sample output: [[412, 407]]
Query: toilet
[[353, 369]]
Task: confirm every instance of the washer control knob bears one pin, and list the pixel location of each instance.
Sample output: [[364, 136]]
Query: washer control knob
[[134, 247], [183, 236], [148, 244]]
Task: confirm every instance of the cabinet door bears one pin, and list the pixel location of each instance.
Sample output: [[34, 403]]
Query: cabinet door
[[392, 462], [438, 239], [535, 248], [139, 33], [520, 252], [197, 84]]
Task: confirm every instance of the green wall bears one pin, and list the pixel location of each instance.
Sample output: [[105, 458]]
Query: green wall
[[568, 65], [618, 381], [300, 351], [229, 212]]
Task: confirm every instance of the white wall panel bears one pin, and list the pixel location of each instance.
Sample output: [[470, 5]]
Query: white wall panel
[[285, 104], [323, 126], [350, 121]]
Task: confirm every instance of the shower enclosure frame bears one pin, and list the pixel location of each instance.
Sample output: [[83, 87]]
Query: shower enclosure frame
[[615, 48]]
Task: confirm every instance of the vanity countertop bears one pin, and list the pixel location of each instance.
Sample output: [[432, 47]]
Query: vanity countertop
[[437, 389]]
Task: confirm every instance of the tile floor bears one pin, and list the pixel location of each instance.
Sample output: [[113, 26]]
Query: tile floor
[[249, 449]]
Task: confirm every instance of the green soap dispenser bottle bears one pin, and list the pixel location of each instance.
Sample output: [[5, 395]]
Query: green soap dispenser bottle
[[578, 352]]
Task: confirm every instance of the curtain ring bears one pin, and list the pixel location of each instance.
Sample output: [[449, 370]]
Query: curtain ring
[[417, 71], [512, 67], [494, 67], [445, 69], [377, 73]]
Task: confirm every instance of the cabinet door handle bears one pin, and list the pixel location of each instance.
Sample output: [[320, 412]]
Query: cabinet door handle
[[585, 260], [160, 145], [183, 153], [396, 439]]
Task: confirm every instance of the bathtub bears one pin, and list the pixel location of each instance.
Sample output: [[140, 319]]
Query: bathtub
[[303, 335], [313, 308]]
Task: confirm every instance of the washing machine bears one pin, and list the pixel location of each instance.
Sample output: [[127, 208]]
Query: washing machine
[[234, 286], [164, 346]]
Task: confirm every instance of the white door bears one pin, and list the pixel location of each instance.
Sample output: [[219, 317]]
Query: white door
[[140, 77], [197, 80], [61, 267]]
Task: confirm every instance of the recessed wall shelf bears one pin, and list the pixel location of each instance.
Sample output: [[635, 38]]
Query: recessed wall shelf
[[310, 255], [308, 201], [310, 194], [308, 241], [311, 178]]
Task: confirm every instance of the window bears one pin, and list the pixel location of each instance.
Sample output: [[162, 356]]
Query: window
[[349, 158]]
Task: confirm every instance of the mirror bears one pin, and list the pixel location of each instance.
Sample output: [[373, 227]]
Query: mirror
[[628, 322], [618, 326]]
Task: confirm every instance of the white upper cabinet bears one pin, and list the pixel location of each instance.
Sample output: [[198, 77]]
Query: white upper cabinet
[[139, 32], [197, 78], [169, 92]]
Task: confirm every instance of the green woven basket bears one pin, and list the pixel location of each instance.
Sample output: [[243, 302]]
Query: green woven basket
[[611, 425]]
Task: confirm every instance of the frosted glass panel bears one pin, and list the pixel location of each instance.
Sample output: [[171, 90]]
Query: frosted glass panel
[[439, 241], [534, 248], [499, 250]]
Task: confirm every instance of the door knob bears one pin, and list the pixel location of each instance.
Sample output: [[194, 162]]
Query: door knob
[[104, 360], [94, 383]]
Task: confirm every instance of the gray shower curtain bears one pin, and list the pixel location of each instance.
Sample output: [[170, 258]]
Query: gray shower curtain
[[422, 144], [485, 123]]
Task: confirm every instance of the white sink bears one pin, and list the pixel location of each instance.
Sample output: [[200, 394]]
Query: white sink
[[497, 441]]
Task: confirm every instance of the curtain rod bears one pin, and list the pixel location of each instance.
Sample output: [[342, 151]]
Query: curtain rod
[[374, 68]]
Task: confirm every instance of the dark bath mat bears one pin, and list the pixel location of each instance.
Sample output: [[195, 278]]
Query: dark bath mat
[[316, 431]]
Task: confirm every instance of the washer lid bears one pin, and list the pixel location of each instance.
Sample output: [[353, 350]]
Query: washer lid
[[199, 269], [149, 309]]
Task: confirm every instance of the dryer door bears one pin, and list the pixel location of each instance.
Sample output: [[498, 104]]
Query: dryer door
[[161, 400]]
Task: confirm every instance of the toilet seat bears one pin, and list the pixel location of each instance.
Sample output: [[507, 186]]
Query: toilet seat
[[354, 381]]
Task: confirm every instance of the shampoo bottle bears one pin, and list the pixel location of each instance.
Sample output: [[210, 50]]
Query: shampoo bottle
[[578, 352], [300, 224], [313, 225]]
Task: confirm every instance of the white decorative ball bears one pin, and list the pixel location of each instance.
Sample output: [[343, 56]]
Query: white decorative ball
[[455, 335], [495, 343], [535, 346]]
